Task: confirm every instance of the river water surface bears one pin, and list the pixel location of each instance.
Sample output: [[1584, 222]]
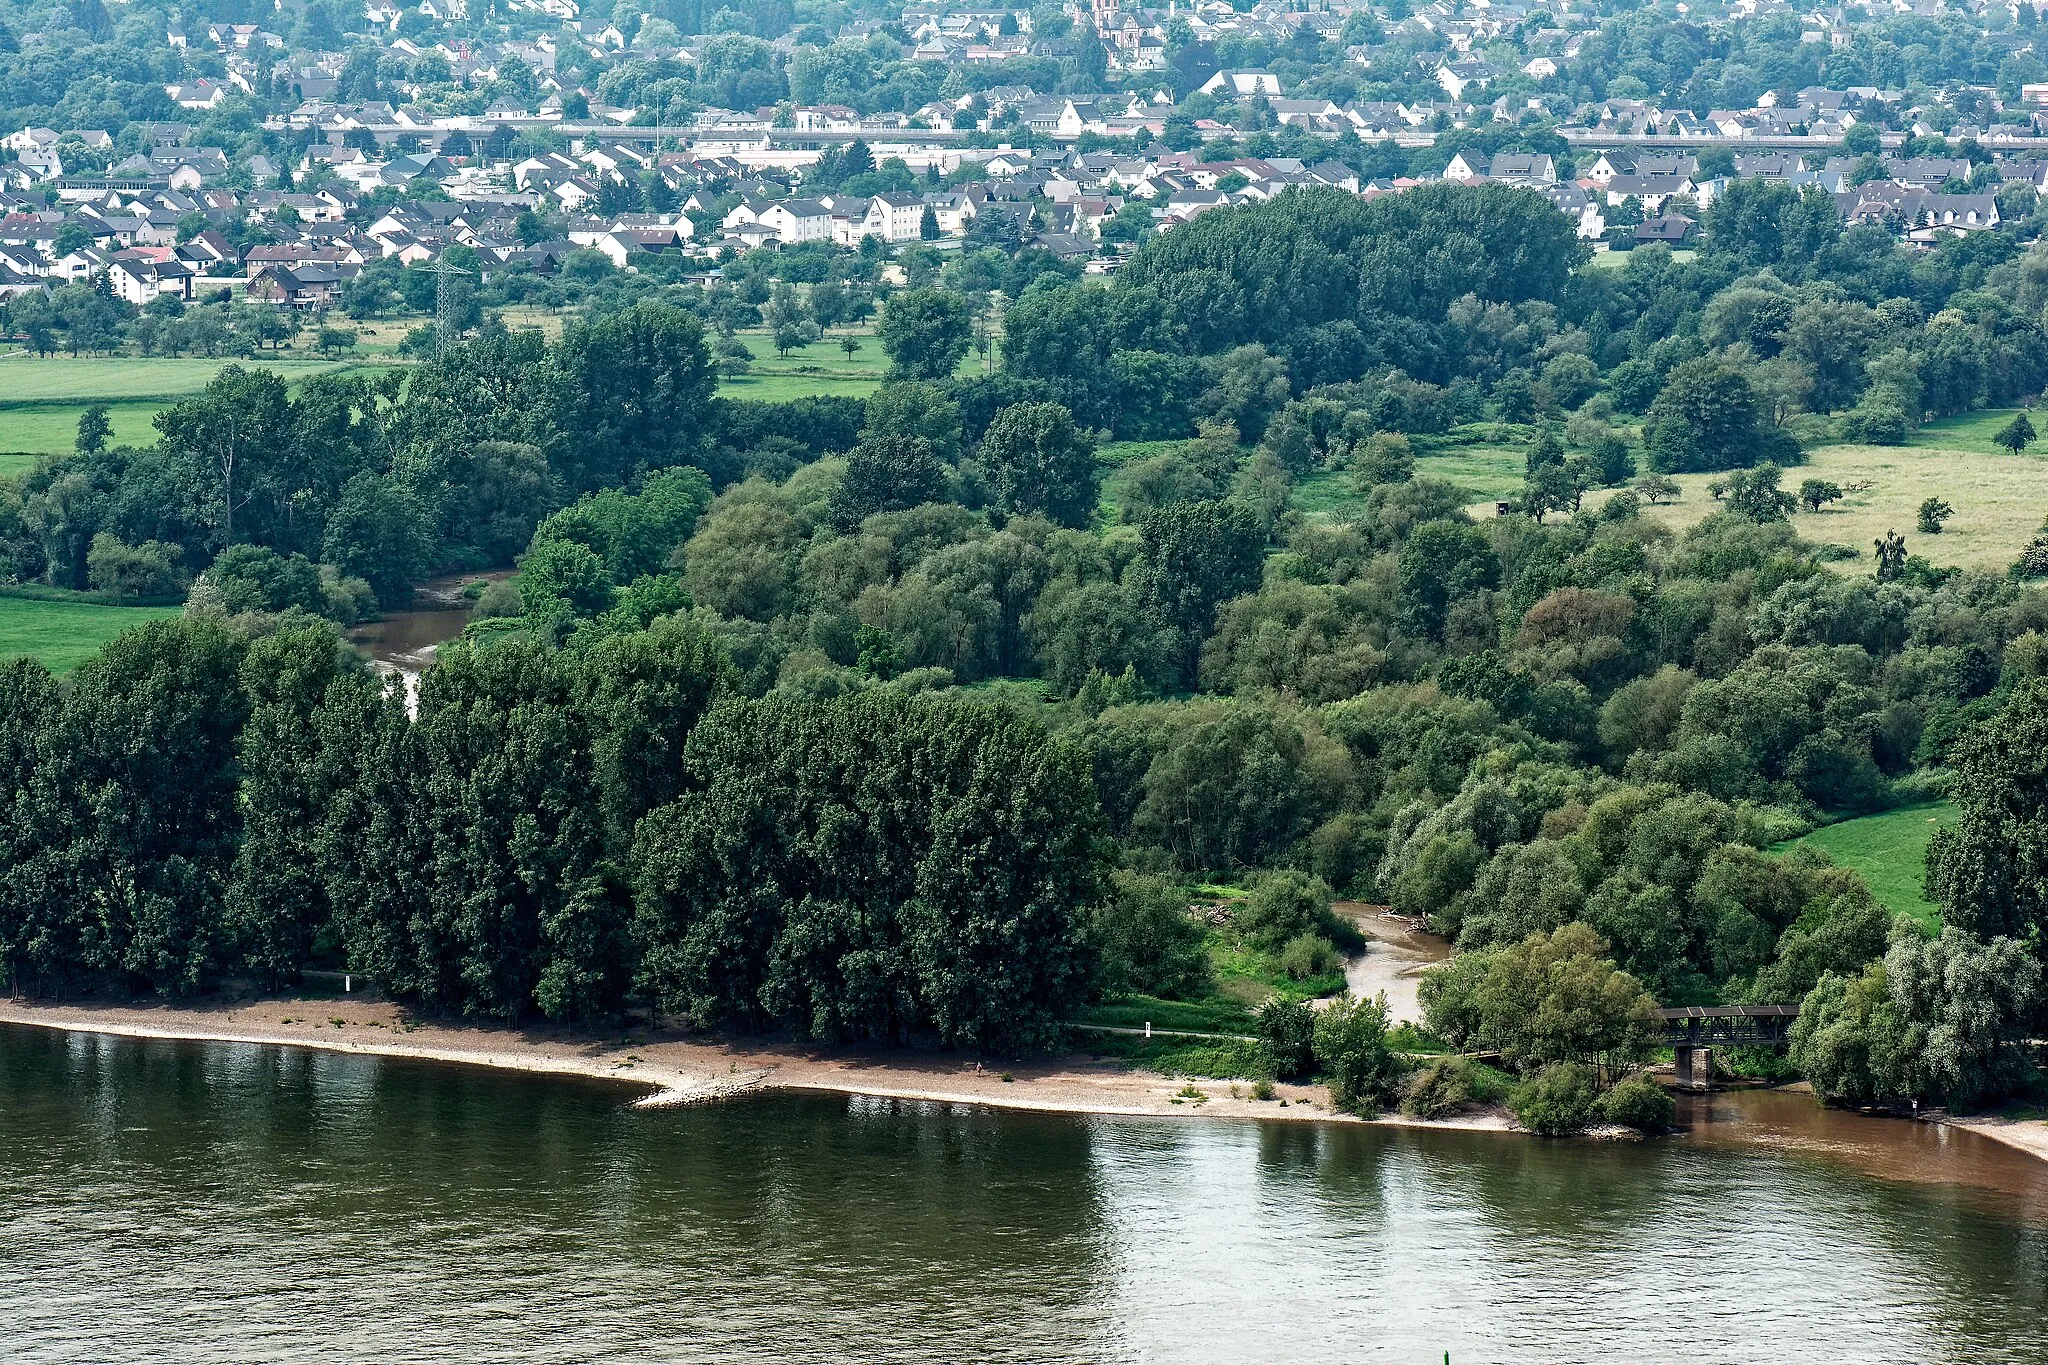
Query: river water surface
[[230, 1202]]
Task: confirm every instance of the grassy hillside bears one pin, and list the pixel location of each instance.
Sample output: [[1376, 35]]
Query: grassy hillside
[[1890, 850]]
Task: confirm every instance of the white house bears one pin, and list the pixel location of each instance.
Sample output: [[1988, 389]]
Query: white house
[[138, 279], [798, 220], [893, 216], [200, 94]]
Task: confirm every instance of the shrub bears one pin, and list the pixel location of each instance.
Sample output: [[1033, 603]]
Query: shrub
[[1287, 1032], [1145, 939], [1639, 1103], [1439, 1089], [1309, 955], [1556, 1101], [1351, 1047], [1879, 423], [1286, 905]]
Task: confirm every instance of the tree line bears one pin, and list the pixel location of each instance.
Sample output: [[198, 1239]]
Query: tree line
[[554, 829]]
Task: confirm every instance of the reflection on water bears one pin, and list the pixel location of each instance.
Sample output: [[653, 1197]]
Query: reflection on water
[[230, 1202]]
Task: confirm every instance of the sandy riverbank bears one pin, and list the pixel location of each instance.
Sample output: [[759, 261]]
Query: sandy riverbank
[[2028, 1135], [682, 1069]]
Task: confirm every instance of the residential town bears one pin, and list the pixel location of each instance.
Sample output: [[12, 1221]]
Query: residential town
[[294, 151]]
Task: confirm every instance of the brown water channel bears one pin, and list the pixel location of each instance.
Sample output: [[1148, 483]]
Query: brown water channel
[[405, 641]]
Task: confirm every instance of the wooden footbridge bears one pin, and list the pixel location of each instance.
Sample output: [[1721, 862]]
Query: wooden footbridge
[[1694, 1031]]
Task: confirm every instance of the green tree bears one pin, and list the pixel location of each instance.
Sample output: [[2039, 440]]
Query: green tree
[[1442, 562], [233, 447], [1037, 460], [1146, 941], [1559, 1100], [1933, 512], [257, 578], [887, 474], [146, 570], [1707, 417], [925, 333], [1553, 997], [1940, 1019], [1989, 869], [1550, 488], [1287, 1035], [633, 533], [876, 866], [137, 839], [93, 430], [1815, 494], [922, 410], [561, 580], [633, 395], [1198, 555], [2015, 435], [1754, 493], [640, 694], [378, 533], [1352, 1050], [277, 902]]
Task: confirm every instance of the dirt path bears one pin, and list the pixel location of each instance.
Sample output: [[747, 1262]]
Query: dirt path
[[1394, 961]]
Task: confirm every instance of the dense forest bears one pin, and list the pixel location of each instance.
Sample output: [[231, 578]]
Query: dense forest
[[899, 718]]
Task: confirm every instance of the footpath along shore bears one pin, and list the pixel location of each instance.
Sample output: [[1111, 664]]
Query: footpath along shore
[[679, 1069]]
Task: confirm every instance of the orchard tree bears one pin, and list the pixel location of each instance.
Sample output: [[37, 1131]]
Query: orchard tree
[[2015, 435], [1754, 493]]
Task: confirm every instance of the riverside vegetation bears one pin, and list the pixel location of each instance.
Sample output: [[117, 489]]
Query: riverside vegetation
[[877, 720]]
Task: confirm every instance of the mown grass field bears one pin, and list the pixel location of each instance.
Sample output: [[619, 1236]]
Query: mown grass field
[[65, 634], [42, 397], [1890, 851], [819, 368], [1972, 432], [1999, 499], [1486, 470], [26, 378], [31, 429]]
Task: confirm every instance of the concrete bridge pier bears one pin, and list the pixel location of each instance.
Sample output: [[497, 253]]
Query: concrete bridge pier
[[1694, 1067]]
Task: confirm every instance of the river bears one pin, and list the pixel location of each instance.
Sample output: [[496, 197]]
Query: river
[[231, 1202], [402, 643]]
